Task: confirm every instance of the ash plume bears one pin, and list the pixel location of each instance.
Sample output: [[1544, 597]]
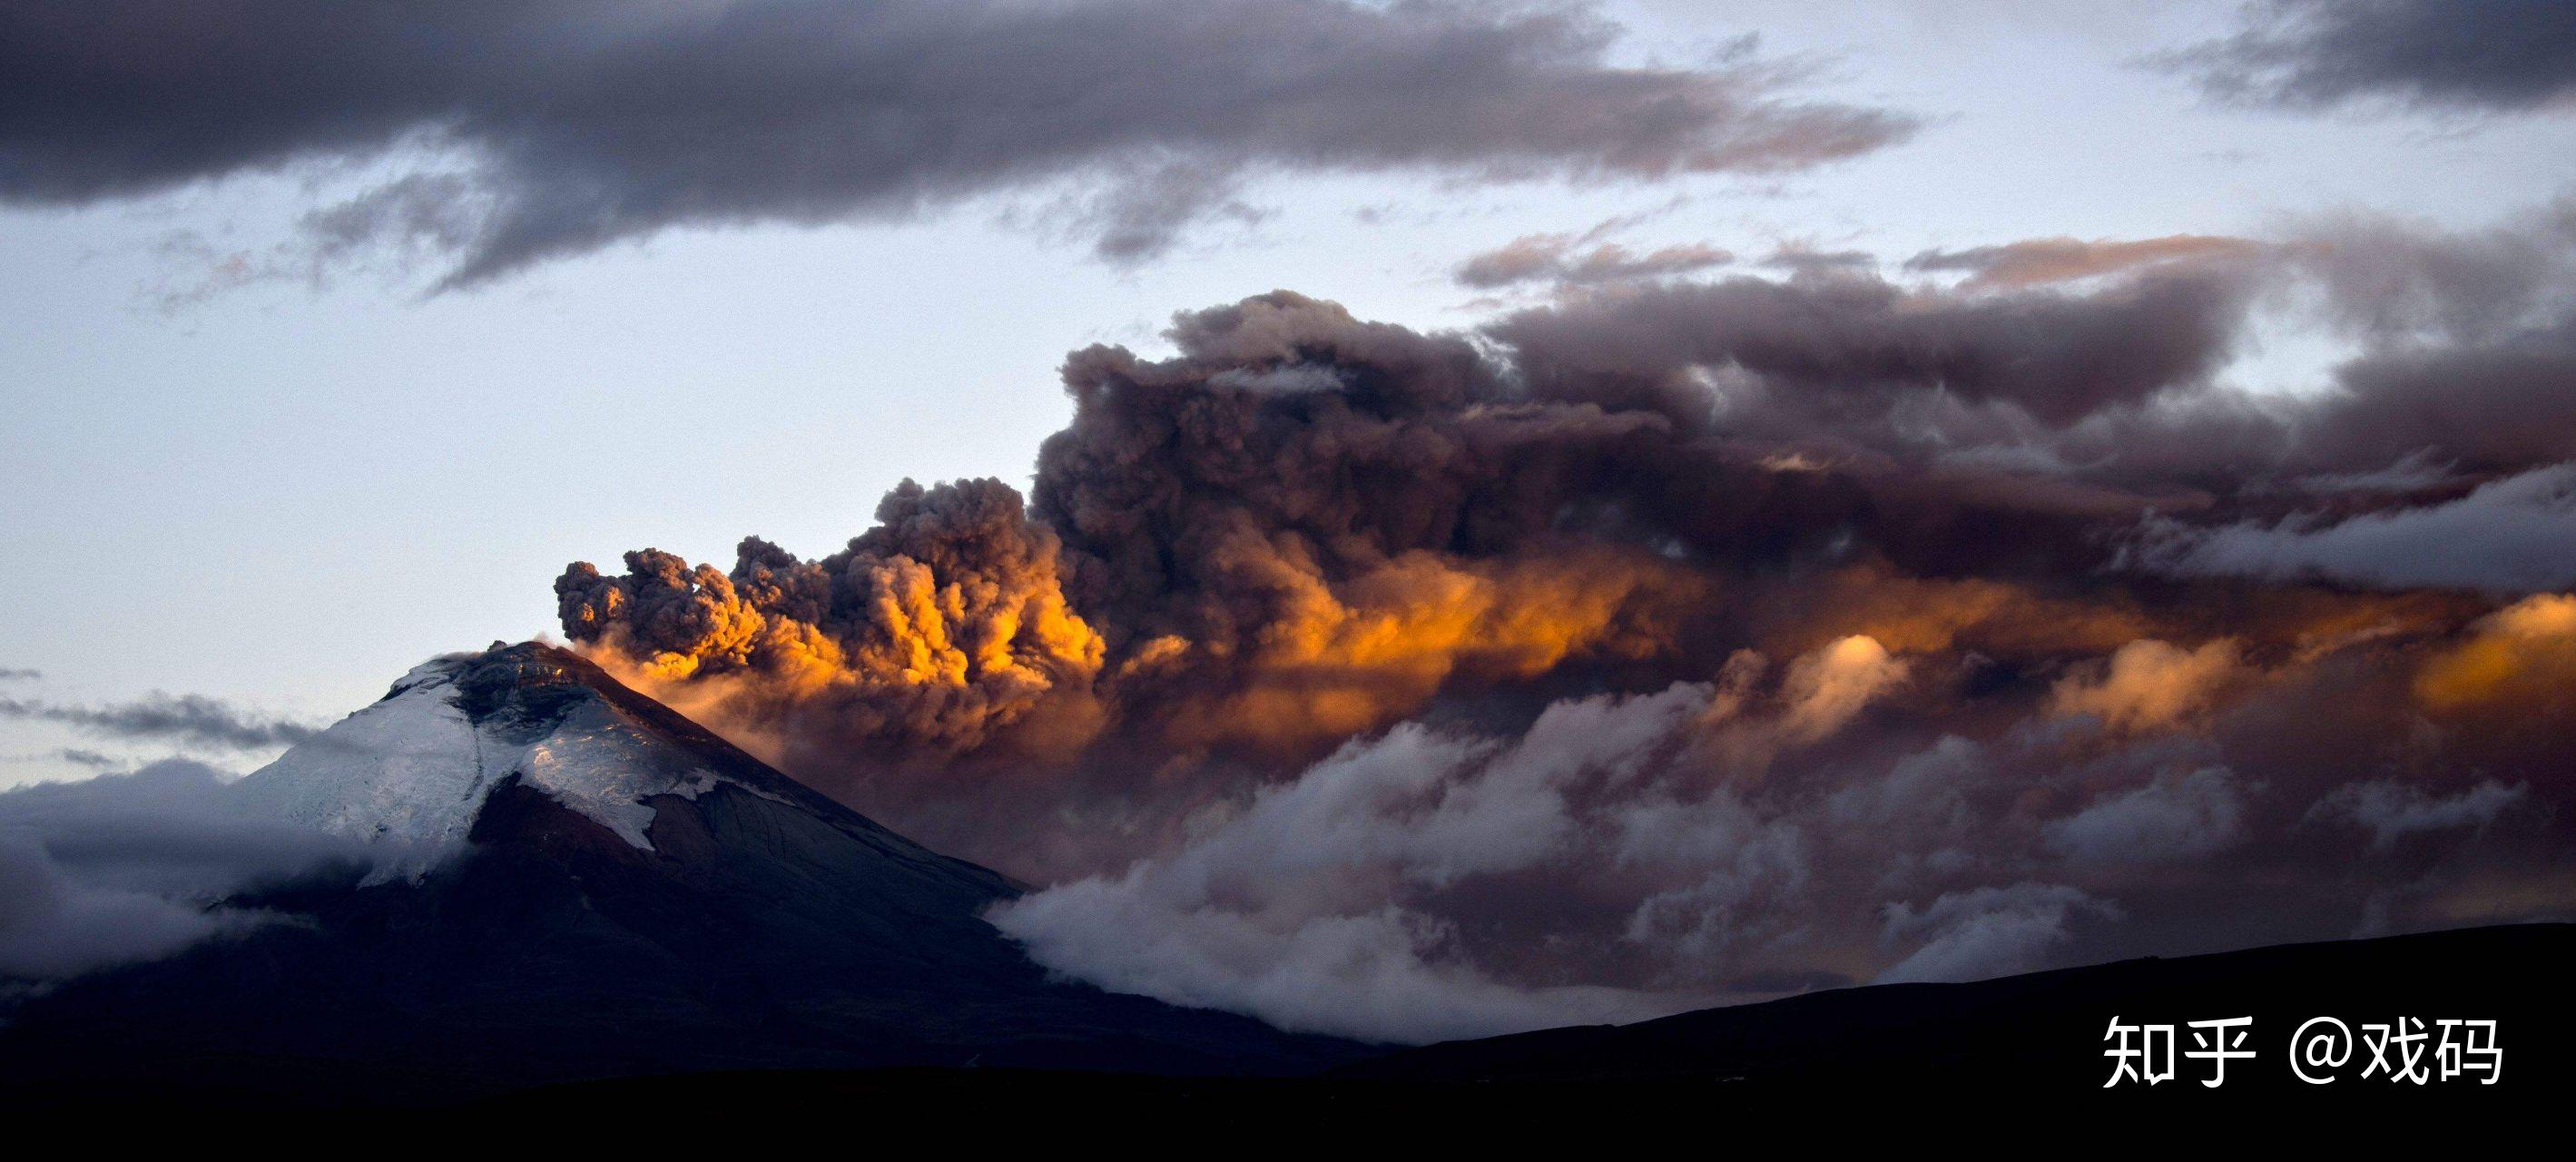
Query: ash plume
[[1672, 640], [938, 627]]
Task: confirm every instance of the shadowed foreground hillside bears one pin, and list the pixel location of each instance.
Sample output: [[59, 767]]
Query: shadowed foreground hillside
[[2039, 1035]]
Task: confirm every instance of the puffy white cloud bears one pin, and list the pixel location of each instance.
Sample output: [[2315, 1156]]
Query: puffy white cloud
[[1988, 931], [130, 867], [2177, 816], [1313, 907], [2390, 810]]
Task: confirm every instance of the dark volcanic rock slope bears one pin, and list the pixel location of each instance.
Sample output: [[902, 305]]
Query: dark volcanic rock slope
[[578, 882]]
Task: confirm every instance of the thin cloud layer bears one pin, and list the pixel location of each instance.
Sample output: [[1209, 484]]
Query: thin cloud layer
[[183, 718], [2046, 260], [537, 129], [1563, 259]]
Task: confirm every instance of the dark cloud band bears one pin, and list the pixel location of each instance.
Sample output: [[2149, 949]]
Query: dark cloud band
[[541, 128]]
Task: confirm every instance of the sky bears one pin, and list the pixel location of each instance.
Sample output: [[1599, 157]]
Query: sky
[[1692, 435]]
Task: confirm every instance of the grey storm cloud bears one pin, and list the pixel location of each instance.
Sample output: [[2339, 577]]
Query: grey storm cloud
[[2476, 55], [129, 867], [535, 129], [186, 718]]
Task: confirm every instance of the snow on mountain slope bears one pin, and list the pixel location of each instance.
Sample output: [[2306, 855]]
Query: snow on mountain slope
[[412, 771]]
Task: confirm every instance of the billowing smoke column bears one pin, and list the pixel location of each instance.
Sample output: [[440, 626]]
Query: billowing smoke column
[[942, 625], [1301, 529], [1682, 642]]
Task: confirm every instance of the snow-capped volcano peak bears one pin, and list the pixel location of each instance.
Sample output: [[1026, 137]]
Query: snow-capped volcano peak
[[413, 770], [572, 880]]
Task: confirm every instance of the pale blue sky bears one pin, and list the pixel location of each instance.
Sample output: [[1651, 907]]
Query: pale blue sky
[[285, 495]]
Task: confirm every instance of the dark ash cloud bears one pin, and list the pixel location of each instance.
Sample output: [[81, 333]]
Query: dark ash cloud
[[2468, 55], [185, 718], [537, 129]]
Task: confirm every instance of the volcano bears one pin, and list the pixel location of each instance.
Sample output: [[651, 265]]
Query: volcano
[[573, 881]]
